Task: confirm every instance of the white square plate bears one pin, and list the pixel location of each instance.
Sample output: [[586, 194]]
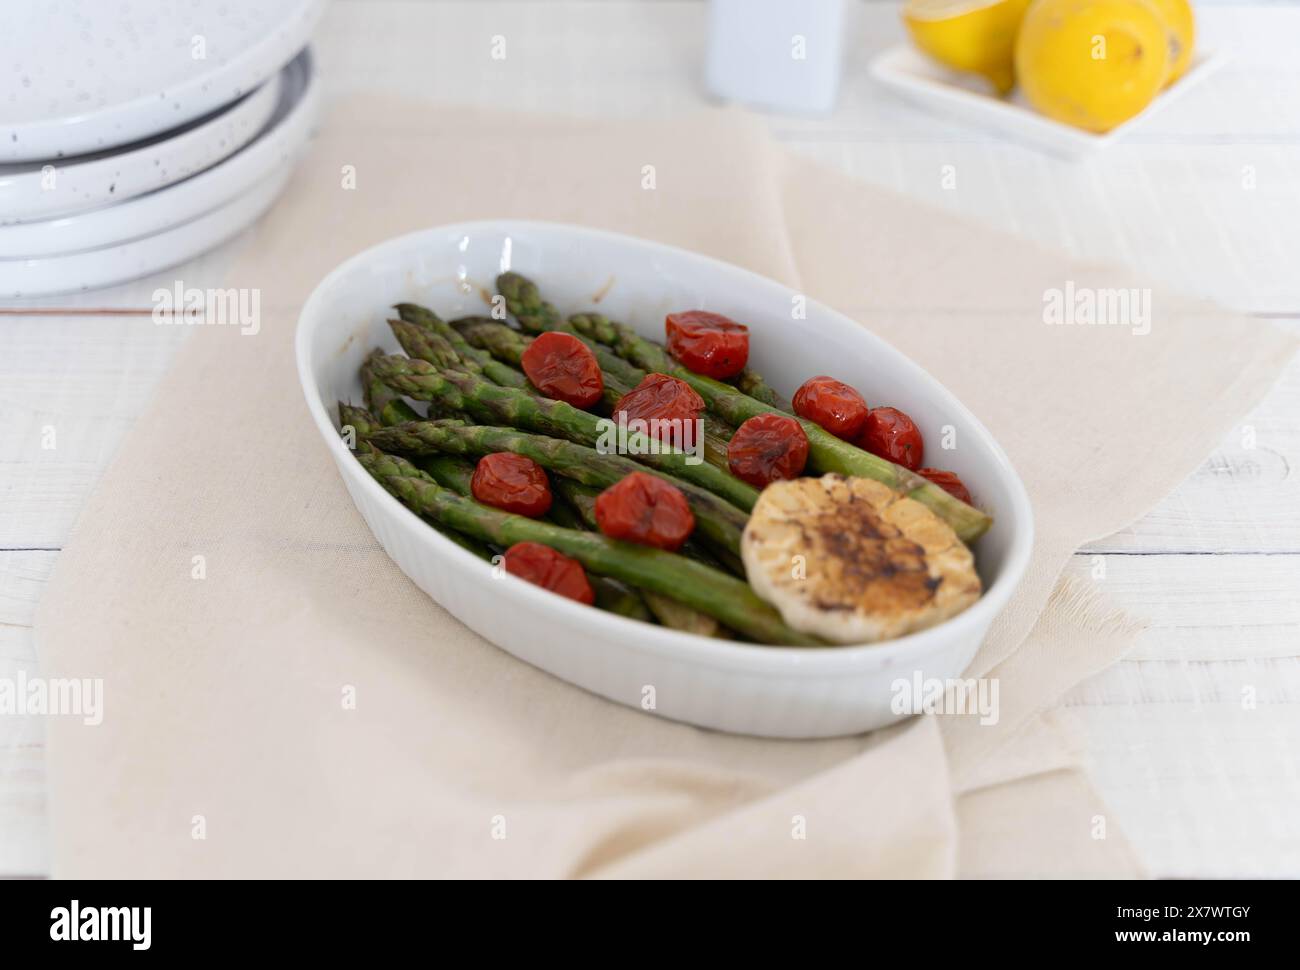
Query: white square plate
[[929, 83]]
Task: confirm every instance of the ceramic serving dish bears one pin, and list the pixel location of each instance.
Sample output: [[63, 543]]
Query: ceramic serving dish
[[770, 691]]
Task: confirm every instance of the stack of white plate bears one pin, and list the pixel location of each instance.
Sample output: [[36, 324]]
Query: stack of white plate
[[137, 134]]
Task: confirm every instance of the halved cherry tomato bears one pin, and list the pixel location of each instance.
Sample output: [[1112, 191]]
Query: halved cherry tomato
[[512, 483], [832, 404], [948, 481], [708, 343], [766, 448], [667, 400], [563, 367], [890, 433], [543, 566], [646, 509]]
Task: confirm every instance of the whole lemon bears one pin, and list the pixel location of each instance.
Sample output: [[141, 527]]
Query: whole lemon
[[1092, 63], [1181, 24], [977, 36]]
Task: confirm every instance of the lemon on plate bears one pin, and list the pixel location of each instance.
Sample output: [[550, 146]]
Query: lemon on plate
[[1181, 24], [1092, 63], [978, 36]]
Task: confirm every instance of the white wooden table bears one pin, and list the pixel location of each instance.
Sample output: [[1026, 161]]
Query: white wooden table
[[1202, 784]]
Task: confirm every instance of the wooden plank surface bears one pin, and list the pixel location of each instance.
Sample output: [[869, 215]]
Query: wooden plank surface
[[1201, 783]]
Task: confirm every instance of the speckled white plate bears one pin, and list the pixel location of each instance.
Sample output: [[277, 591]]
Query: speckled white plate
[[80, 76], [30, 191], [20, 278], [274, 147]]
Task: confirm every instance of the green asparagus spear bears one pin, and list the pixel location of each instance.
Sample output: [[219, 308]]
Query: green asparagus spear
[[382, 401], [468, 392], [717, 520], [623, 599], [509, 345], [723, 597], [665, 609], [392, 409], [610, 363], [468, 543], [525, 302], [562, 513], [537, 316], [583, 499], [534, 314], [826, 453], [612, 596], [751, 382], [671, 613], [362, 423], [676, 615], [455, 473], [502, 342], [472, 359], [609, 333], [448, 471], [438, 350]]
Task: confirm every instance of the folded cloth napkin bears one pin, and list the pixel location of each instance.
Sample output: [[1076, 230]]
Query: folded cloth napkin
[[228, 746]]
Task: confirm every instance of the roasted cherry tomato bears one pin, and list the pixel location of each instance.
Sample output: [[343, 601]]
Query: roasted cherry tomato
[[645, 509], [832, 404], [890, 433], [543, 566], [665, 399], [947, 481], [563, 367], [512, 483], [766, 448], [708, 343]]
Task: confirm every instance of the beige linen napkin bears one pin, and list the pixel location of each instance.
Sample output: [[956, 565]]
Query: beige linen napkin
[[226, 748]]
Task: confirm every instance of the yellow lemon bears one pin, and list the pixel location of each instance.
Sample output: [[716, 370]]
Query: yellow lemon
[[1181, 24], [1092, 63], [978, 36]]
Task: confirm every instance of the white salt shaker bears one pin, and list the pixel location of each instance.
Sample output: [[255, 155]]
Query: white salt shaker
[[781, 54]]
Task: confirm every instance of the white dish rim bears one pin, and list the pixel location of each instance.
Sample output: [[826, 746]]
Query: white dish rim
[[643, 637]]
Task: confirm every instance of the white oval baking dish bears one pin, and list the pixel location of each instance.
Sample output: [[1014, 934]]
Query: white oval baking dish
[[743, 688]]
